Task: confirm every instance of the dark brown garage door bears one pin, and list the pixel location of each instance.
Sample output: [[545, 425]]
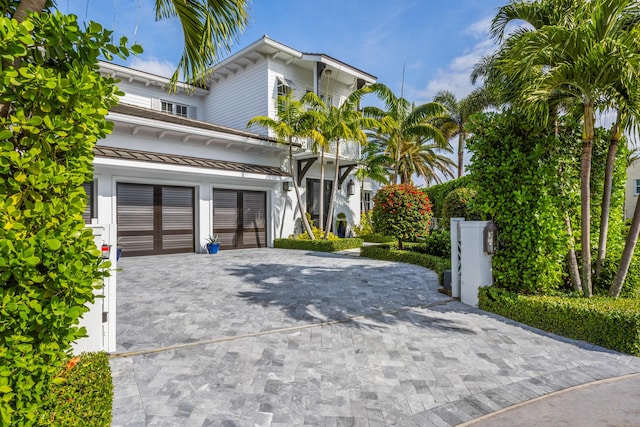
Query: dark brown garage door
[[239, 218], [155, 219]]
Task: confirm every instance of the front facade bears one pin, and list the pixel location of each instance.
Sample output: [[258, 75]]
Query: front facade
[[181, 166]]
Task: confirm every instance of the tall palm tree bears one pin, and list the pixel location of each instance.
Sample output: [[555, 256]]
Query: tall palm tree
[[459, 112], [292, 122], [337, 124], [579, 50], [401, 123]]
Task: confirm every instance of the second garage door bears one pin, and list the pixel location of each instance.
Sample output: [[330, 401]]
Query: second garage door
[[239, 218], [155, 219]]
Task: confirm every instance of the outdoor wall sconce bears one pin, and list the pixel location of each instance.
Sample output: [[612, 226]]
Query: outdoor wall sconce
[[286, 186], [490, 238], [351, 188]]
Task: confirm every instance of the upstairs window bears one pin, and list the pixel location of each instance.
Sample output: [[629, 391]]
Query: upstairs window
[[637, 187], [173, 108], [284, 86]]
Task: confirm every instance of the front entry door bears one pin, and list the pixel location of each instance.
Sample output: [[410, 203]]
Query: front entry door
[[239, 218], [313, 200], [155, 219]]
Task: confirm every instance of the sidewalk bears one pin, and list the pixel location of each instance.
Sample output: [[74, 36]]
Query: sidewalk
[[610, 402]]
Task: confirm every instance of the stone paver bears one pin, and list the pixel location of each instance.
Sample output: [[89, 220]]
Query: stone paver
[[274, 337]]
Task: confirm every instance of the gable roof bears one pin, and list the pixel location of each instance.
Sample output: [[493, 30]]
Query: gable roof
[[268, 47]]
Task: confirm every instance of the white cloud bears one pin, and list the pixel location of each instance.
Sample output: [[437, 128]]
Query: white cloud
[[479, 29], [455, 77], [154, 66]]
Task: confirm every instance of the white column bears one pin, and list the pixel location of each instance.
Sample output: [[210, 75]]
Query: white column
[[204, 216], [475, 263], [455, 257]]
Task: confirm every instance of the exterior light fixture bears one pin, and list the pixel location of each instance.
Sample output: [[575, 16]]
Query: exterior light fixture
[[490, 238], [286, 186], [351, 188]]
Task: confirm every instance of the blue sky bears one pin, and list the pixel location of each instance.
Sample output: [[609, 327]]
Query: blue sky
[[439, 41]]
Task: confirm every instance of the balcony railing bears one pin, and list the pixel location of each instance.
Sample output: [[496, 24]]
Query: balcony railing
[[348, 149]]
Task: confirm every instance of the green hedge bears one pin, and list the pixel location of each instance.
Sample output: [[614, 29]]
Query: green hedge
[[378, 238], [436, 243], [439, 265], [318, 245], [608, 322], [438, 192], [84, 396]]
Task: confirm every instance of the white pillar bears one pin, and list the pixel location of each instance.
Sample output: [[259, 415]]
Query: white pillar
[[455, 256], [475, 263], [100, 320]]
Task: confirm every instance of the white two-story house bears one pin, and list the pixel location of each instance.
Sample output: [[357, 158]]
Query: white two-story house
[[180, 166]]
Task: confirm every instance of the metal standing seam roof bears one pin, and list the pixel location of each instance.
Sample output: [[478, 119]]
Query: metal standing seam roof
[[174, 159]]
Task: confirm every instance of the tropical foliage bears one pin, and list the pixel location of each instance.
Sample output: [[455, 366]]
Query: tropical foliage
[[407, 136], [572, 52], [292, 122], [53, 104], [458, 114], [49, 265]]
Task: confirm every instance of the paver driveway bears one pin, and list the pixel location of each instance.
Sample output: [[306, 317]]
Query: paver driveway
[[277, 337]]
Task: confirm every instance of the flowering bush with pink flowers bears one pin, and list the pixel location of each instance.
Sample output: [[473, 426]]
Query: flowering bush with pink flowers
[[401, 211]]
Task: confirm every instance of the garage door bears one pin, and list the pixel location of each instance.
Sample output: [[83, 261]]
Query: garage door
[[239, 218], [155, 219]]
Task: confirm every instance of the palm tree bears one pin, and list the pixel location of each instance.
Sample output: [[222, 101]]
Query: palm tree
[[292, 122], [337, 124], [422, 158], [578, 50], [208, 26], [402, 123], [459, 112]]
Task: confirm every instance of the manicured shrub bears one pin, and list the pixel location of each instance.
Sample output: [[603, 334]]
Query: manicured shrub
[[318, 244], [438, 192], [608, 322], [401, 211], [438, 265], [378, 238], [85, 395], [459, 204], [437, 243], [49, 265]]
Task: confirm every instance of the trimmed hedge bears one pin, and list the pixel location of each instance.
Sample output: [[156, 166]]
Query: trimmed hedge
[[610, 323], [439, 265], [318, 245], [436, 243], [378, 238], [438, 192], [84, 396]]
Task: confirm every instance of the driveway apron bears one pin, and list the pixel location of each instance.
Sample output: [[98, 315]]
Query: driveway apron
[[275, 337]]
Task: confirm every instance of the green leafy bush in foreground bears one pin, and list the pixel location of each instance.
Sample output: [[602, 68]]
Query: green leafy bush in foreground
[[49, 266], [608, 322], [318, 245], [439, 265], [85, 396]]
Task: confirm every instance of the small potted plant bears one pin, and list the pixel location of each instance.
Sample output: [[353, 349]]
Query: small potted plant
[[341, 225], [119, 249], [213, 244]]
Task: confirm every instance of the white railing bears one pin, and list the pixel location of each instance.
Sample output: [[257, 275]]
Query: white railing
[[348, 149]]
